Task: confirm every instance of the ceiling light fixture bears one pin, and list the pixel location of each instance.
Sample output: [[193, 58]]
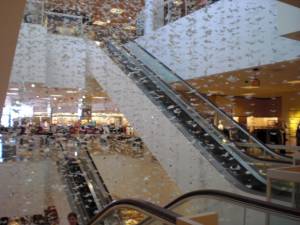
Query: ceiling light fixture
[[117, 11], [99, 97], [14, 89], [250, 87], [97, 43], [294, 82], [71, 92], [33, 85], [12, 93], [99, 23], [130, 27]]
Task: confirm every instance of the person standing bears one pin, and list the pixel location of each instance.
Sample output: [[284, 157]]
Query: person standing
[[72, 218]]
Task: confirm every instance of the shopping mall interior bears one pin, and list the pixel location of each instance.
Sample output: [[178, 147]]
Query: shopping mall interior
[[124, 112]]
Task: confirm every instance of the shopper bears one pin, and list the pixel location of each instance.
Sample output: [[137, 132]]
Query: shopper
[[72, 218]]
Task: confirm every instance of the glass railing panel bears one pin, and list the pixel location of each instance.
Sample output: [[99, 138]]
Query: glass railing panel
[[220, 122], [230, 213], [64, 24], [33, 12], [128, 216]]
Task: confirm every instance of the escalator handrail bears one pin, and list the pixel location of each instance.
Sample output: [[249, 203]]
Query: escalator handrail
[[215, 107], [97, 172], [237, 199], [144, 206]]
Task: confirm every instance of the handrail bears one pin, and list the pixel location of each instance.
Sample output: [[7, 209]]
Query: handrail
[[97, 172], [235, 154], [237, 199], [144, 206], [214, 106]]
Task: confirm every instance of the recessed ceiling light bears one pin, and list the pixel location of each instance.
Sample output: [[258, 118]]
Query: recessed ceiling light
[[33, 85], [97, 43], [130, 28], [99, 97], [250, 87], [12, 93], [99, 23], [71, 92], [117, 11], [249, 94], [14, 89], [294, 82]]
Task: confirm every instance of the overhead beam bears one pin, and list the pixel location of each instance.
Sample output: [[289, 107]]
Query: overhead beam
[[292, 2], [294, 36], [11, 14]]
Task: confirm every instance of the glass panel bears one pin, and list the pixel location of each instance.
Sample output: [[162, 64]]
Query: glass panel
[[59, 23], [126, 216], [228, 141], [231, 213], [33, 12]]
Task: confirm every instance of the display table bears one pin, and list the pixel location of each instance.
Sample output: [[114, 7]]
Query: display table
[[289, 174]]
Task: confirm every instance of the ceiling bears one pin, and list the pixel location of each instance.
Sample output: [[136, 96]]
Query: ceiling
[[109, 18], [263, 81]]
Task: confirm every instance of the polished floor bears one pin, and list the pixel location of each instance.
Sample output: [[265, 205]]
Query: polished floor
[[30, 182], [131, 171]]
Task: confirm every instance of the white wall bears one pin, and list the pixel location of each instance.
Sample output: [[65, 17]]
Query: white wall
[[154, 15], [183, 162], [288, 18], [30, 61], [66, 61], [55, 60], [226, 36]]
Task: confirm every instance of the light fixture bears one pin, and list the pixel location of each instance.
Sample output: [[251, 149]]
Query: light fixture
[[59, 107], [71, 92], [249, 94], [37, 96], [97, 43], [294, 82], [56, 95], [99, 23], [99, 97], [12, 93], [33, 85], [83, 97], [54, 98], [117, 11], [108, 21], [130, 27], [250, 87], [14, 89]]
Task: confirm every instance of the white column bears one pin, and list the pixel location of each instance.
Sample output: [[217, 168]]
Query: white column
[[154, 15]]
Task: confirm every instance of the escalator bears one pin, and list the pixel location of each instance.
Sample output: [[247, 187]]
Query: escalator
[[236, 152], [87, 192], [225, 208]]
